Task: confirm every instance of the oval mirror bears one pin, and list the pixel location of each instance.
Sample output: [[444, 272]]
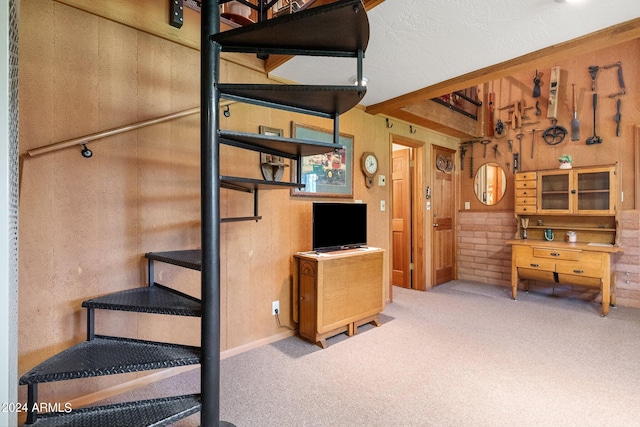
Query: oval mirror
[[490, 183]]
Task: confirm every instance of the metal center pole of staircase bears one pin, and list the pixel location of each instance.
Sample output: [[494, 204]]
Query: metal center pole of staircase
[[210, 215]]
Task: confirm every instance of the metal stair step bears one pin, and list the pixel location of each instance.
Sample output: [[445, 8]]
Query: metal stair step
[[154, 412], [109, 356], [190, 258], [157, 299], [338, 29]]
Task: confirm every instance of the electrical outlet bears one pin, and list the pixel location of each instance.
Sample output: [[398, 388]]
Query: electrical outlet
[[275, 308]]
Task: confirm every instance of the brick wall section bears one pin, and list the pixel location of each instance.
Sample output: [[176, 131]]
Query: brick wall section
[[483, 255], [628, 264]]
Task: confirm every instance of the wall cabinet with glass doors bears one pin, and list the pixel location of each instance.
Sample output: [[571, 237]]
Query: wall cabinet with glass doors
[[583, 200], [586, 191]]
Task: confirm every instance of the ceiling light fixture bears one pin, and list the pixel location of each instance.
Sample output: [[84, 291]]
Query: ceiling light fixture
[[568, 1]]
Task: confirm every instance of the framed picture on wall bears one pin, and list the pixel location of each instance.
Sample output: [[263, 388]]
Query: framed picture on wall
[[324, 175]]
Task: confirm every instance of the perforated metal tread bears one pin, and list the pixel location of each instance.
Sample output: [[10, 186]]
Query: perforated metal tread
[[276, 145], [190, 258], [157, 299], [109, 356], [154, 412], [321, 101], [337, 29]]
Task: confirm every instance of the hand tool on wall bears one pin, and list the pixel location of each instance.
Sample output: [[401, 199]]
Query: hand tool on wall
[[538, 111], [593, 70], [485, 142], [501, 131], [536, 86], [623, 89], [471, 174], [463, 152], [554, 134], [496, 152], [595, 139], [511, 145], [533, 139], [519, 136], [554, 86], [575, 123], [516, 157], [617, 117]]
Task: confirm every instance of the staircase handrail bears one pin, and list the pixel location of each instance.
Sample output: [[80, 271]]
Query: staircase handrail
[[92, 137]]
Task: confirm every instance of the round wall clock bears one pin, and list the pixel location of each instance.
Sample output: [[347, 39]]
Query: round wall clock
[[369, 164]]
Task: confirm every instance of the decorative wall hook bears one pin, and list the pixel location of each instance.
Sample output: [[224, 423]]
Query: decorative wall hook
[[226, 111], [389, 124], [412, 130], [86, 152]]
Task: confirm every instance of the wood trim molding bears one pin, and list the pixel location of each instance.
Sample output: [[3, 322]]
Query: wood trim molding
[[607, 37]]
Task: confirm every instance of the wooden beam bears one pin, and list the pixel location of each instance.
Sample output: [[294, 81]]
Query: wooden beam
[[607, 37]]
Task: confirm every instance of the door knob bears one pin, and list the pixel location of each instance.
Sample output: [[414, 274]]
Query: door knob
[[435, 225]]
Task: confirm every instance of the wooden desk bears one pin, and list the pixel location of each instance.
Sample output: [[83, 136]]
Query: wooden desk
[[337, 292], [579, 264]]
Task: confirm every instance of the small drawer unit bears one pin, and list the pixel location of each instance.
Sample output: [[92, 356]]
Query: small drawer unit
[[526, 193]]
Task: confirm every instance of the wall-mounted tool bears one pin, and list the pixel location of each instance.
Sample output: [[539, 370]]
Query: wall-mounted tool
[[536, 86], [554, 86], [538, 111], [595, 139], [511, 145], [593, 70], [463, 152], [623, 89], [617, 117], [554, 134], [501, 131], [575, 123], [515, 162], [485, 142], [496, 153], [533, 140]]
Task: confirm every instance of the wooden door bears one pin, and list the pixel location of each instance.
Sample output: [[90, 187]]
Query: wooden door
[[401, 218], [443, 200]]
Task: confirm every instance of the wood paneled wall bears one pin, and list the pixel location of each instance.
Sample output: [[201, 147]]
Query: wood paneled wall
[[574, 70], [85, 224]]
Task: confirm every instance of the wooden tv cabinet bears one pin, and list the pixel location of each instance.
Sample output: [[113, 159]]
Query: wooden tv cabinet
[[336, 292]]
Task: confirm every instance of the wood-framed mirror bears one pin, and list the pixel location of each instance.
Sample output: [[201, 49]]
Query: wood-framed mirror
[[490, 183]]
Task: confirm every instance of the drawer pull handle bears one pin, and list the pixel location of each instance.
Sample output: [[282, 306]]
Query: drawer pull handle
[[555, 254], [578, 271], [535, 265]]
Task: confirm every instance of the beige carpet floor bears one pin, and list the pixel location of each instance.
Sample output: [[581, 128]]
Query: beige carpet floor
[[463, 354]]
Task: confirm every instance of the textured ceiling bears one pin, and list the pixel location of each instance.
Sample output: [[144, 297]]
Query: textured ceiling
[[419, 43]]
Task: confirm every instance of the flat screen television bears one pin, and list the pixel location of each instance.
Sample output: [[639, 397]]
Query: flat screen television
[[339, 226]]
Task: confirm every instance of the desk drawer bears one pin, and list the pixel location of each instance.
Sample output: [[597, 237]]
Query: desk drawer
[[526, 192], [578, 280], [533, 274], [590, 265], [559, 254], [525, 209], [521, 201], [526, 184], [526, 176], [536, 264]]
